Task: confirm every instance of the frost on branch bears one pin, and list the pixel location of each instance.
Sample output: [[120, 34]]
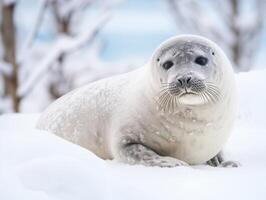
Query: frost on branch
[[235, 25], [62, 46], [33, 64], [8, 2], [8, 37]]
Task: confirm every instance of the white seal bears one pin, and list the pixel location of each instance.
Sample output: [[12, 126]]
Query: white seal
[[177, 109]]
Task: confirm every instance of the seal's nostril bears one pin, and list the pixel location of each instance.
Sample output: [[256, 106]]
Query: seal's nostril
[[180, 82], [184, 81], [188, 79]]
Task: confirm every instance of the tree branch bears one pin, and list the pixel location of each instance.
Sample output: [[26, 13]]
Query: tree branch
[[63, 46]]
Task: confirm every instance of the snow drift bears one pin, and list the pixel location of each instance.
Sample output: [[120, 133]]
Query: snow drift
[[35, 164]]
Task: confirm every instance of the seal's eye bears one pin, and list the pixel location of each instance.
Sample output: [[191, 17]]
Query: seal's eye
[[168, 64], [200, 60]]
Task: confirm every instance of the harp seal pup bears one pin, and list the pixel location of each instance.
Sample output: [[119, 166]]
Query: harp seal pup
[[178, 109]]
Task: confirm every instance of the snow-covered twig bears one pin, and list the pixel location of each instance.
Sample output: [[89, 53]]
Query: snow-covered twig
[[64, 45], [226, 23], [72, 6], [9, 2], [5, 68], [32, 35]]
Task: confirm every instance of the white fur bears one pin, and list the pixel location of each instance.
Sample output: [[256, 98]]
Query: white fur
[[104, 115]]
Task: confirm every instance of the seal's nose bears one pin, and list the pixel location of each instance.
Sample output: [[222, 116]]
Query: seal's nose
[[184, 81]]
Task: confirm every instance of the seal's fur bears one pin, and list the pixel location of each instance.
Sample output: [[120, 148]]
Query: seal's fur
[[123, 117]]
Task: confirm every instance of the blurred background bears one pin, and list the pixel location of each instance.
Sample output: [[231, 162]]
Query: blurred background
[[49, 47]]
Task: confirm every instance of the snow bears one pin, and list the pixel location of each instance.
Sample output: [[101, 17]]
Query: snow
[[34, 30], [9, 2], [5, 68], [35, 164], [63, 45]]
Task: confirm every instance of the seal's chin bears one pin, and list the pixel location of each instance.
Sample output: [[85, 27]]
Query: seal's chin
[[190, 99]]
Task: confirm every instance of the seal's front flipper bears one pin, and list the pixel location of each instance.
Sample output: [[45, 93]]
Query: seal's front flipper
[[139, 154], [218, 161]]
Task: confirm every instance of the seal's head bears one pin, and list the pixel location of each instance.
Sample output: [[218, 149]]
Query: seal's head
[[189, 70]]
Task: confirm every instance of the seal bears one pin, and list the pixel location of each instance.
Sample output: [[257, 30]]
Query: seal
[[178, 109]]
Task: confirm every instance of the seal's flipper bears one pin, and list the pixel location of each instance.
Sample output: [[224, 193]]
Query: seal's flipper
[[139, 154], [218, 161]]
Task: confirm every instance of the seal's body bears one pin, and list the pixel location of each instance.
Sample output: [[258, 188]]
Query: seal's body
[[177, 109]]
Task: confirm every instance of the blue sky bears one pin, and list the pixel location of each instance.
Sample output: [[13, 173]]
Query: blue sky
[[137, 27]]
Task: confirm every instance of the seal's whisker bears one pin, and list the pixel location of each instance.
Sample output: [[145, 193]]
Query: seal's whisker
[[213, 87], [167, 103], [163, 91], [214, 93], [175, 92], [168, 96], [174, 99], [172, 103], [163, 99], [215, 96], [165, 84], [209, 97], [212, 99], [202, 97], [205, 98], [210, 83], [176, 102]]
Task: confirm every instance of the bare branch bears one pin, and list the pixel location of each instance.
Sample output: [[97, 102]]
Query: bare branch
[[236, 35], [32, 35], [8, 33], [63, 46]]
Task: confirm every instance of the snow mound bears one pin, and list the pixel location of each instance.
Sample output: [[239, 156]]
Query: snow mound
[[35, 164]]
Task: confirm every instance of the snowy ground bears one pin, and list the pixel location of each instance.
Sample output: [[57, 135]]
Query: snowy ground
[[37, 165]]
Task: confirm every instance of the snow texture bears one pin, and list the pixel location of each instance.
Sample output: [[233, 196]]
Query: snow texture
[[37, 165], [9, 2], [64, 45], [5, 68]]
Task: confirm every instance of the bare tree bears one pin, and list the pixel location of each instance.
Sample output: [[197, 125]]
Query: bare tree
[[227, 22], [64, 12], [65, 44], [8, 35], [18, 85]]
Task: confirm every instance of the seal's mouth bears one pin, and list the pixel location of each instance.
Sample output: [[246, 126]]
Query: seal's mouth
[[177, 91], [187, 93], [187, 96], [190, 98], [198, 93]]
